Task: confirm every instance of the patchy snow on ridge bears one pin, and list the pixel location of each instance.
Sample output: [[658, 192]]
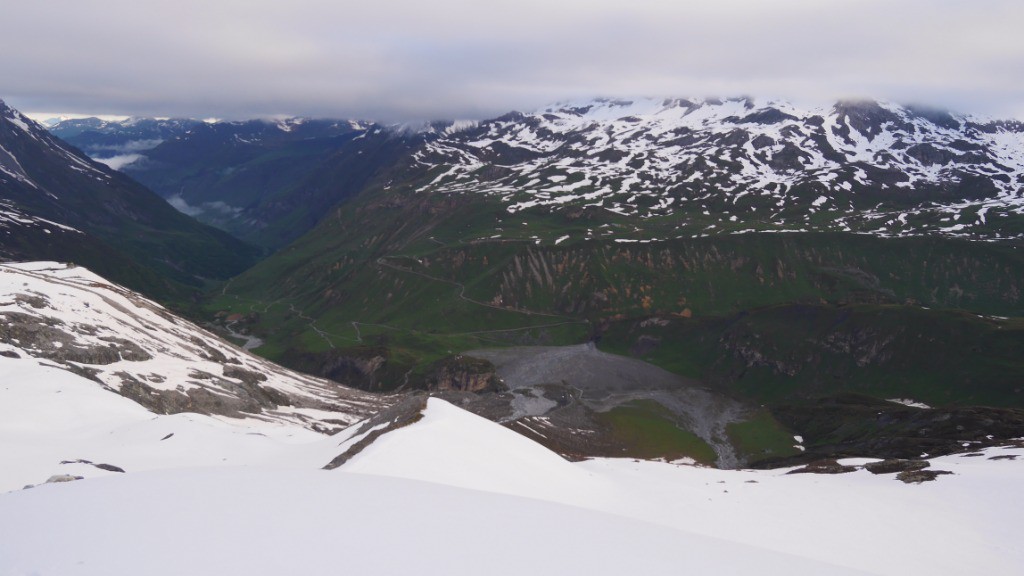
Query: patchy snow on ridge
[[67, 316], [11, 217], [908, 402], [650, 157]]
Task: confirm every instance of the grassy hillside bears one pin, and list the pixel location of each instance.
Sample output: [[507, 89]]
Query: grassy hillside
[[415, 277]]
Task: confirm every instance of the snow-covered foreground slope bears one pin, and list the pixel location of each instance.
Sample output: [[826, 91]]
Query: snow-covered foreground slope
[[207, 495], [455, 494], [53, 422], [960, 524], [273, 521], [449, 493]]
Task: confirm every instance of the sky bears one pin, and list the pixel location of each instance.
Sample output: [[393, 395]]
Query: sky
[[396, 60]]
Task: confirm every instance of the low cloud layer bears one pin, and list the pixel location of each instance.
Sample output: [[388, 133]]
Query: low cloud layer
[[400, 61]]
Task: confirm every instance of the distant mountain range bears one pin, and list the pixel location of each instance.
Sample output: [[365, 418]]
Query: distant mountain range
[[266, 181], [684, 167], [118, 143], [57, 203]]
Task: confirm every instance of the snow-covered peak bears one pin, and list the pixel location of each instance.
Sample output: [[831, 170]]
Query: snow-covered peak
[[879, 167], [289, 124]]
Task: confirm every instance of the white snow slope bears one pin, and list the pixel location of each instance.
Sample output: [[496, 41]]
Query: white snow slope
[[450, 494]]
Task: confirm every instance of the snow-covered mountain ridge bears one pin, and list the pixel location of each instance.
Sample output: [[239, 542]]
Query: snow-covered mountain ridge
[[743, 165], [68, 317]]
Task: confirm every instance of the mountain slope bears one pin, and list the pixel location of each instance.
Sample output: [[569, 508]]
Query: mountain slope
[[43, 178], [269, 181], [67, 317], [458, 250]]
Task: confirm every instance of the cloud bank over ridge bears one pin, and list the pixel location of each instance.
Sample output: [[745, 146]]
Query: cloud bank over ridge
[[398, 60]]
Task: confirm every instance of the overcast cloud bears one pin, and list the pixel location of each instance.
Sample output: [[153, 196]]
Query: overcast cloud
[[399, 60]]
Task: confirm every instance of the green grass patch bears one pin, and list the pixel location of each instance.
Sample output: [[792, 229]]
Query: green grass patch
[[648, 430], [761, 436]]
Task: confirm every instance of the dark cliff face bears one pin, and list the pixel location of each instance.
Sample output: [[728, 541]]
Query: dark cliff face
[[463, 374]]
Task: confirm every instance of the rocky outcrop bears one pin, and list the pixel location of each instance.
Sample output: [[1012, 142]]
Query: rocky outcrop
[[404, 413], [896, 465], [48, 337], [919, 476], [824, 467], [463, 373]]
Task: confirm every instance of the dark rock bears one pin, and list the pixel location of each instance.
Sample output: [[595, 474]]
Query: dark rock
[[928, 154], [789, 158], [918, 476], [824, 467], [362, 367], [246, 376], [36, 301], [398, 416], [463, 373], [48, 338], [128, 350], [767, 116], [895, 465], [109, 468]]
